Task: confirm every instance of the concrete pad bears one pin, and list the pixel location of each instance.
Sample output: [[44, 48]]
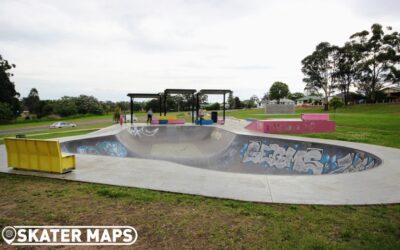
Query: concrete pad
[[379, 185], [159, 175]]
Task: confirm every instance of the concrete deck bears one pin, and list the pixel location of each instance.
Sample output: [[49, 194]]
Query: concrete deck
[[375, 186]]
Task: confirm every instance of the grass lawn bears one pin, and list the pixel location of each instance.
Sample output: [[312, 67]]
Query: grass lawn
[[174, 221], [59, 132], [35, 123]]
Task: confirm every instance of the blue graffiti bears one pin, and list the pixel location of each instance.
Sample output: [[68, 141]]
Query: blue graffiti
[[111, 148], [306, 160]]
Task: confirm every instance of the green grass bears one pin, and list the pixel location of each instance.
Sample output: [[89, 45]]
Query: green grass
[[176, 221], [260, 114], [62, 134], [59, 132], [373, 123], [35, 123]]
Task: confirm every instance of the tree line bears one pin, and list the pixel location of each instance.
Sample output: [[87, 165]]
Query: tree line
[[369, 61], [12, 104]]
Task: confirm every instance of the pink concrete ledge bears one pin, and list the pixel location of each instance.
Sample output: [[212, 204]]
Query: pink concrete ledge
[[176, 121], [310, 123]]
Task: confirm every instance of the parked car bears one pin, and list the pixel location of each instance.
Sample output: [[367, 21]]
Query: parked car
[[63, 125]]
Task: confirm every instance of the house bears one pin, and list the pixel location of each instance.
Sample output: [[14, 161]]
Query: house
[[353, 98], [25, 114], [392, 93], [262, 104], [282, 101], [309, 100]]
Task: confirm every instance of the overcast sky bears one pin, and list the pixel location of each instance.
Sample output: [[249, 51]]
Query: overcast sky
[[110, 48]]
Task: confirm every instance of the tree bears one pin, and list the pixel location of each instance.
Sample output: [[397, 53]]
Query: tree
[[214, 106], [123, 106], [249, 103], [311, 90], [88, 105], [295, 96], [204, 99], [379, 61], [153, 104], [231, 101], [8, 94], [66, 106], [278, 91], [318, 69], [335, 103], [255, 99], [265, 97], [346, 71], [46, 107], [238, 103], [32, 101], [116, 115], [6, 114]]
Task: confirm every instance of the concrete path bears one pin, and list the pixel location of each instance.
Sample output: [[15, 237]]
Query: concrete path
[[376, 186]]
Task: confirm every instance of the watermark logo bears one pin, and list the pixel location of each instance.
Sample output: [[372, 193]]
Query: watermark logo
[[69, 235]]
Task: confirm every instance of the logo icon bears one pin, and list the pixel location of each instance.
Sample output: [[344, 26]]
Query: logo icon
[[9, 234], [69, 235]]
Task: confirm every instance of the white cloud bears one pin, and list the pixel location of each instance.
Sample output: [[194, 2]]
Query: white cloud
[[109, 48]]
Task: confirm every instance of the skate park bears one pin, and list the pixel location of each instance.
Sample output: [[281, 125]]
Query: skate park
[[232, 162], [230, 158]]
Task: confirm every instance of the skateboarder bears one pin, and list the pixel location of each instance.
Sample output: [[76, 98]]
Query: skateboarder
[[149, 116]]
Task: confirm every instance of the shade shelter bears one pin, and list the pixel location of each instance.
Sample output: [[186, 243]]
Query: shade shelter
[[211, 92], [179, 91], [144, 95]]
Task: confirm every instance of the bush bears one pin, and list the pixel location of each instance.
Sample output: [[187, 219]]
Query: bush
[[214, 106], [6, 114], [335, 103], [116, 115], [66, 106], [53, 117], [46, 108], [88, 105]]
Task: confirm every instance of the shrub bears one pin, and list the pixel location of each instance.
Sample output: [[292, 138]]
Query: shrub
[[335, 103], [66, 106], [6, 114], [214, 106]]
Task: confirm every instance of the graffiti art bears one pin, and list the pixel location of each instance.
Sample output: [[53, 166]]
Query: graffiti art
[[303, 160]]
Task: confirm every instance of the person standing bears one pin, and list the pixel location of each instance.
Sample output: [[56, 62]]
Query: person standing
[[121, 119], [201, 114], [149, 116]]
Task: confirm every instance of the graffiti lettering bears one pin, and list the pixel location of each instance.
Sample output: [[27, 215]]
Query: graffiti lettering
[[307, 161], [139, 132]]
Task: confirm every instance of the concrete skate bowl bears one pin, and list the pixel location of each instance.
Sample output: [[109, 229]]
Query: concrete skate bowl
[[218, 149]]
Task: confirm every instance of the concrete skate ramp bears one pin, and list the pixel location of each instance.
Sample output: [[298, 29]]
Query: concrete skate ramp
[[218, 149]]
